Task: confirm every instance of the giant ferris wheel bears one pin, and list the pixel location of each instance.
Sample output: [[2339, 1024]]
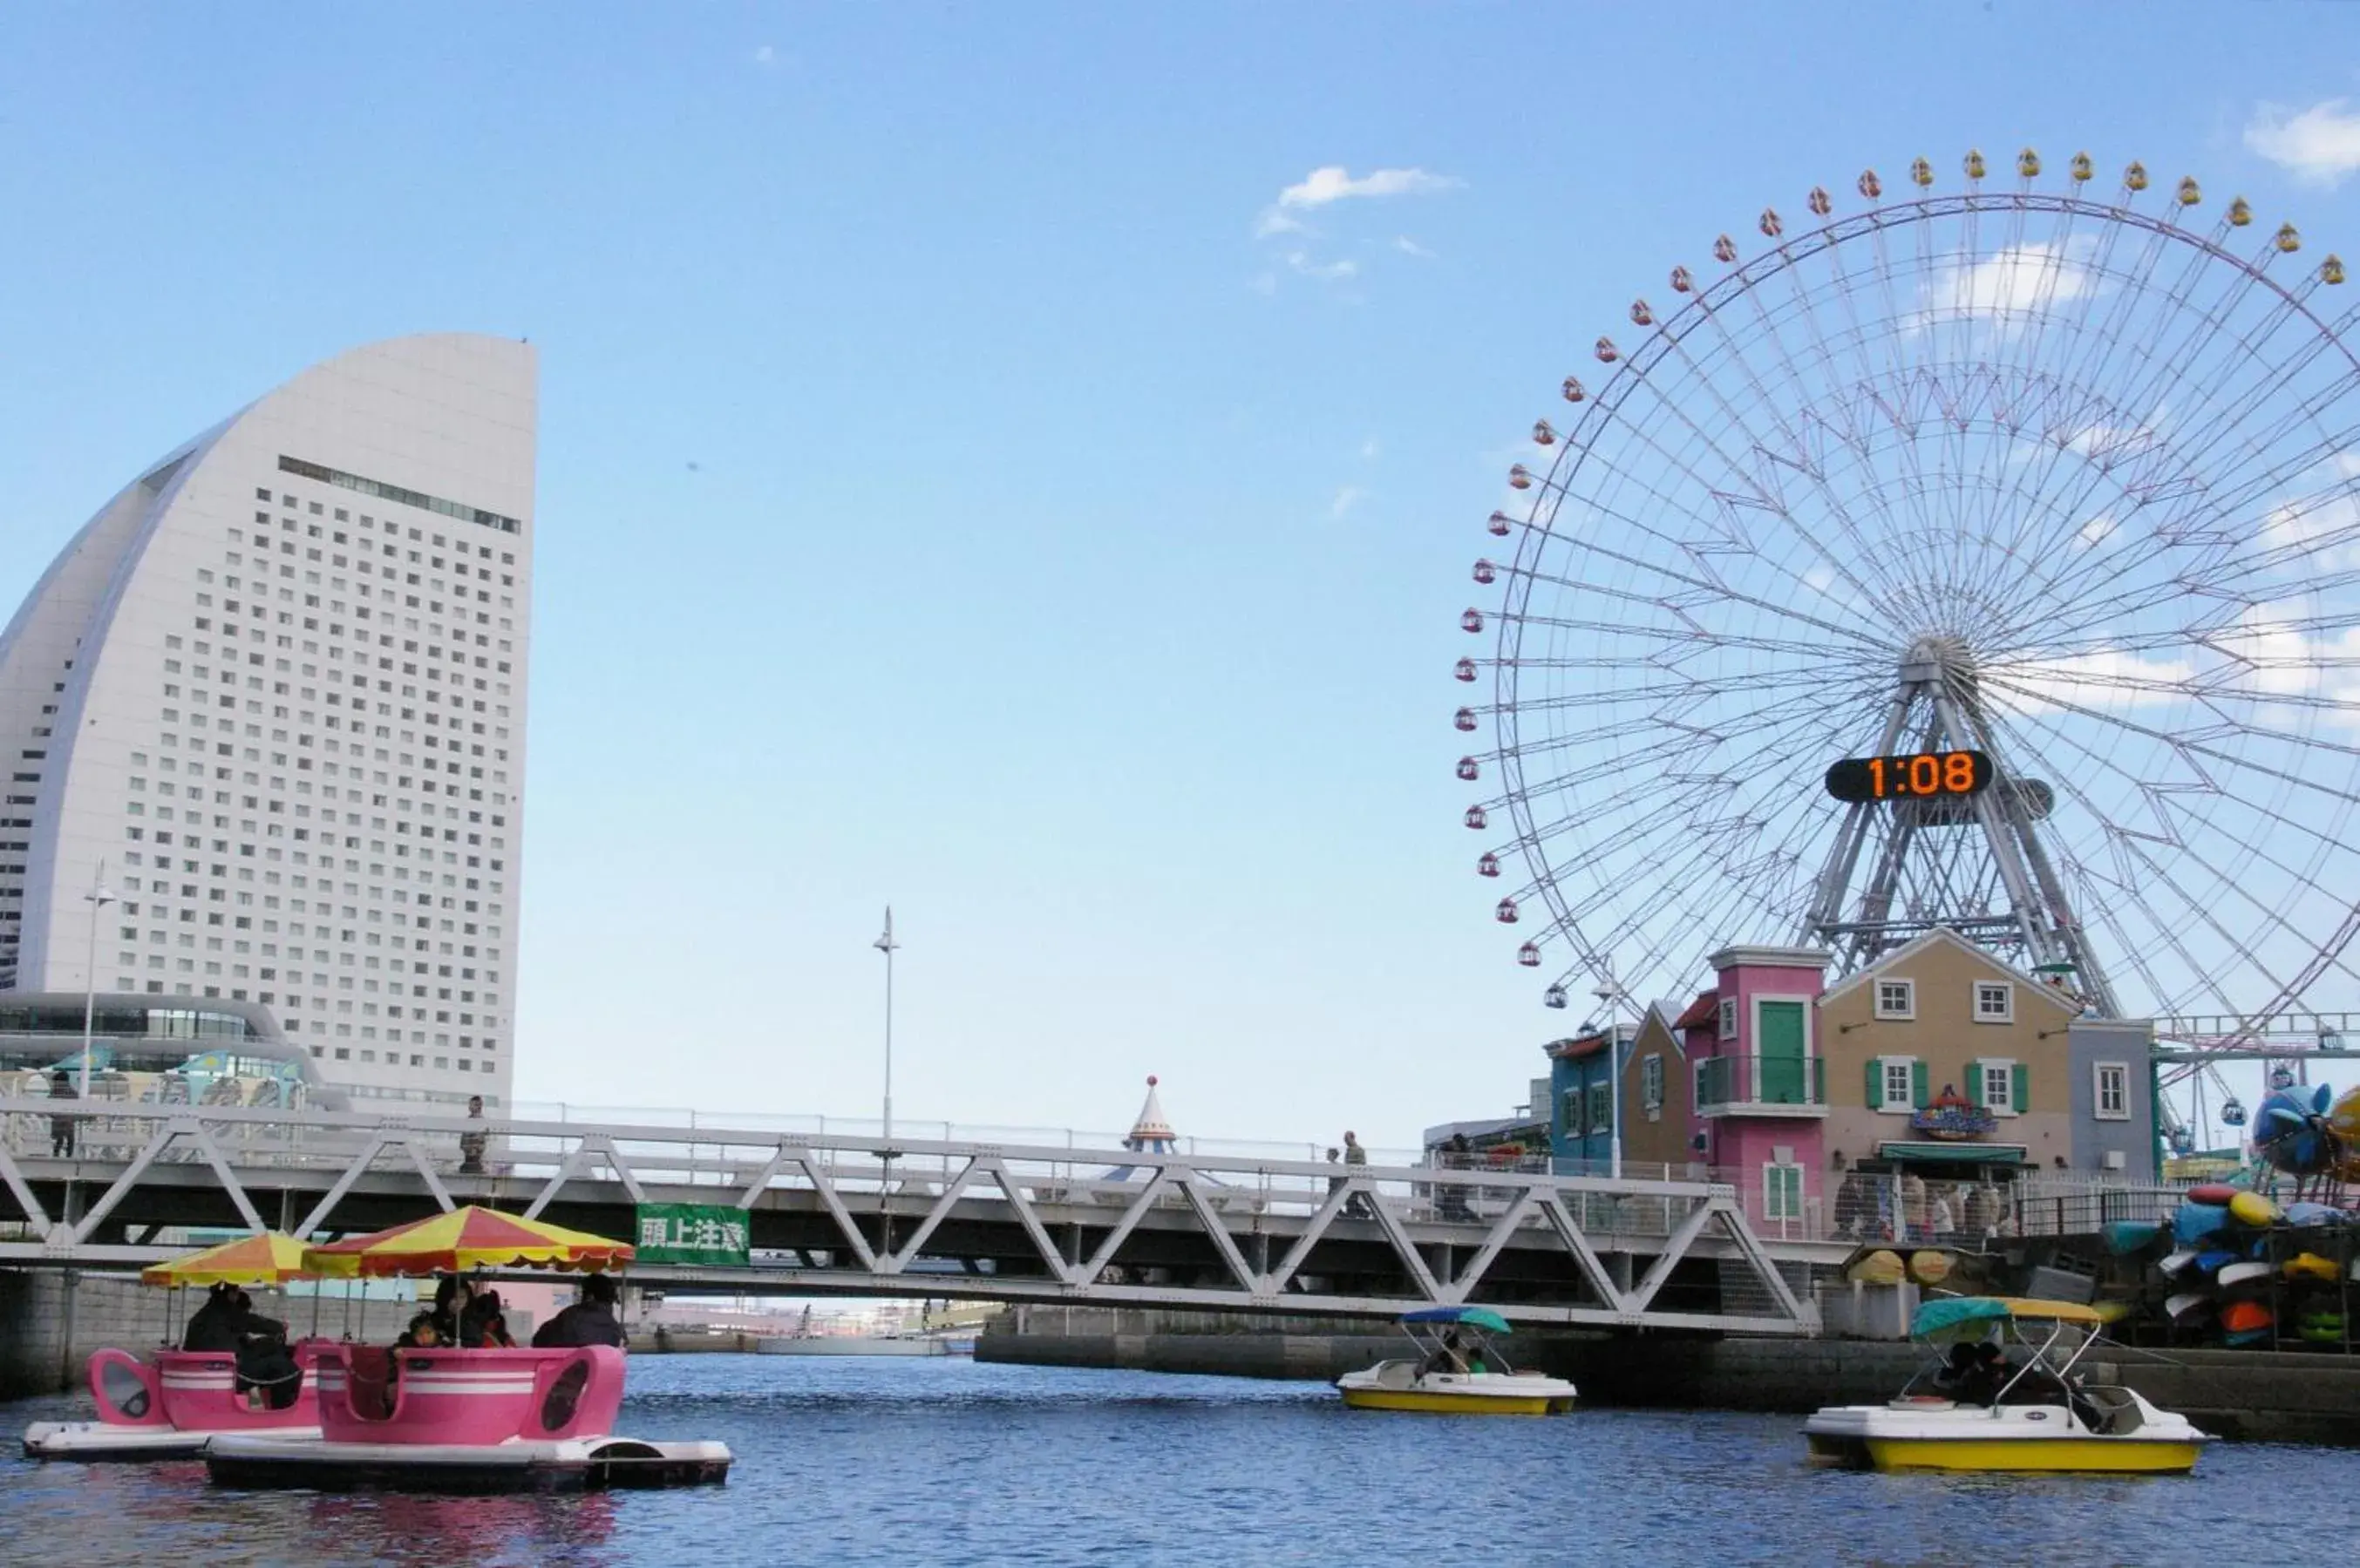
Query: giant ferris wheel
[[1981, 553]]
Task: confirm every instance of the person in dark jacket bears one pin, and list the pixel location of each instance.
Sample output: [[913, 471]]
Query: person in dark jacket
[[215, 1326], [483, 1325], [451, 1298], [590, 1321], [267, 1371]]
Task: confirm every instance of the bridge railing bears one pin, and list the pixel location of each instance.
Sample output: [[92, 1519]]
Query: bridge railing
[[1346, 1237], [744, 1162]]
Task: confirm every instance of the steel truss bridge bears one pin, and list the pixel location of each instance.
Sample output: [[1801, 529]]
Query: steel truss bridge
[[832, 1214]]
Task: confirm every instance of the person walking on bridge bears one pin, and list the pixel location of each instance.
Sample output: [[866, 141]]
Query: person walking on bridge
[[61, 1128], [1357, 1205]]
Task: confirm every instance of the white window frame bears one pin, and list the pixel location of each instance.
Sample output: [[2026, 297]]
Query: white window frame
[[1727, 1025], [2006, 1015], [2098, 1071], [1651, 1082], [2002, 1070], [1908, 1008], [1772, 1169], [1697, 1071], [1886, 1102]]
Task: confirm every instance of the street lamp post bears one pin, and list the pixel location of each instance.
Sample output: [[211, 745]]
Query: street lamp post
[[888, 946], [99, 899], [1611, 995]]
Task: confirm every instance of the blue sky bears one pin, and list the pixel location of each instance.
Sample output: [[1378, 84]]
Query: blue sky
[[956, 491]]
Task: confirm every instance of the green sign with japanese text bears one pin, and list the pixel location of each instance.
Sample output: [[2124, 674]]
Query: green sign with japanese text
[[693, 1233]]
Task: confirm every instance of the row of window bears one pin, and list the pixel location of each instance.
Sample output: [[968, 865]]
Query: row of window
[[424, 663], [1995, 1001]]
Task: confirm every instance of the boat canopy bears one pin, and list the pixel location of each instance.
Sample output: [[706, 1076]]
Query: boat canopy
[[1474, 1317], [1955, 1316]]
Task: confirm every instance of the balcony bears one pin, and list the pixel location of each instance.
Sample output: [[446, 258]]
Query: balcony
[[1779, 1086]]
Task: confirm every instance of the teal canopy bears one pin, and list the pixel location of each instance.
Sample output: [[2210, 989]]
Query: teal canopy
[[1474, 1317], [1957, 1317]]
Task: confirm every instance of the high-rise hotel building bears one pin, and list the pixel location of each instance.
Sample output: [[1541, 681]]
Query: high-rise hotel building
[[272, 698]]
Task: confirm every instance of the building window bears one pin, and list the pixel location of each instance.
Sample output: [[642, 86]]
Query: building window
[[1782, 1191], [1999, 1081], [1602, 1110], [2114, 1086], [1728, 1030], [1896, 1078], [1897, 999], [1651, 1082], [1696, 1082], [1994, 1002]]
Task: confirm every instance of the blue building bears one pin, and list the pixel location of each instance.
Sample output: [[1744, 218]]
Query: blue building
[[1582, 1090]]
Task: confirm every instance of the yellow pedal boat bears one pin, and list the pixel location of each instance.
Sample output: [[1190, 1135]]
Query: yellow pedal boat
[[1978, 1414], [1457, 1371]]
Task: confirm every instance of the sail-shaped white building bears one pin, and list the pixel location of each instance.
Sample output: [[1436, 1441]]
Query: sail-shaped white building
[[270, 700]]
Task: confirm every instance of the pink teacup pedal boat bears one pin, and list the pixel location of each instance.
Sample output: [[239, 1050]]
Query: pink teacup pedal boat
[[169, 1404], [450, 1420]]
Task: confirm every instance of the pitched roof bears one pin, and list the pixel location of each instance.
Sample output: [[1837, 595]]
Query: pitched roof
[[2063, 1001], [1704, 1010]]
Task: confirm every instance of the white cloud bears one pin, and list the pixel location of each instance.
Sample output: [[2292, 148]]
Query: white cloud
[[1369, 449], [2095, 532], [1326, 186], [2322, 144], [765, 55], [1332, 183], [1409, 246], [1347, 497], [1327, 271], [2024, 281], [2106, 678], [1263, 283]]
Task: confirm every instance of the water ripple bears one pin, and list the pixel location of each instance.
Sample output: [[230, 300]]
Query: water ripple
[[849, 1462]]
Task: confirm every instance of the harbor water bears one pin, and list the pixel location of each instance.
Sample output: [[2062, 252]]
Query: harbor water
[[945, 1461]]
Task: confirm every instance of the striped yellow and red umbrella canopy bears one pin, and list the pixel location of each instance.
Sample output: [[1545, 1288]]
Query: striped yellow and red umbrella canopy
[[462, 1239], [267, 1258]]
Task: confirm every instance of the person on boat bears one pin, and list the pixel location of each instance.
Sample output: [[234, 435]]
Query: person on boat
[[214, 1326], [483, 1325], [1957, 1372], [1445, 1357], [590, 1321], [423, 1334], [1985, 1375], [451, 1298], [267, 1371]]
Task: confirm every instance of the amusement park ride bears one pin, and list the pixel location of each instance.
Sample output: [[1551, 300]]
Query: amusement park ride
[[1987, 557]]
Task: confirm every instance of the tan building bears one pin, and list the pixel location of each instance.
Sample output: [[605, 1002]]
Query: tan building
[[1940, 1054]]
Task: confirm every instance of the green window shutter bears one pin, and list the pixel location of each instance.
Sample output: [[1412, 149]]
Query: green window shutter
[[1918, 1095], [1976, 1082], [2020, 1089], [1876, 1083]]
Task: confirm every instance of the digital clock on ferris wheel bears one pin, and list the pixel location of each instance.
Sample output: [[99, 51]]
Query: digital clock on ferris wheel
[[1913, 775]]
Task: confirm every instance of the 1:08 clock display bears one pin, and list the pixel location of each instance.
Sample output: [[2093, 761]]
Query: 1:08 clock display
[[1923, 775]]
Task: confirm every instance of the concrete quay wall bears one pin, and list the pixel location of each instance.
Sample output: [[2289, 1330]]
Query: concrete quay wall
[[2249, 1396], [53, 1319]]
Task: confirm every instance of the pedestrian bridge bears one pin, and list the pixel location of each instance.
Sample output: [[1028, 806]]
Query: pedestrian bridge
[[856, 1214]]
